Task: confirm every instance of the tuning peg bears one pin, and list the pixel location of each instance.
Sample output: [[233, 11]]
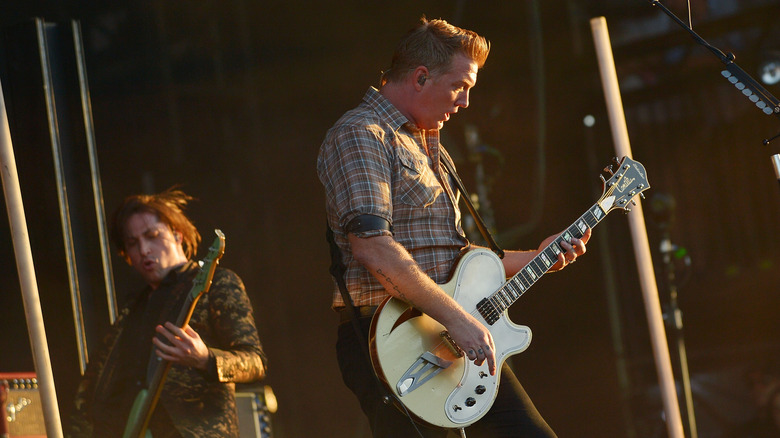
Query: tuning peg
[[642, 195]]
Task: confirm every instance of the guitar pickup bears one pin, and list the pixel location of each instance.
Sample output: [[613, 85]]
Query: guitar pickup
[[422, 370]]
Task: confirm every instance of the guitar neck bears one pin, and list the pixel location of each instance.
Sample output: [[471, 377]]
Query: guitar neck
[[494, 305]]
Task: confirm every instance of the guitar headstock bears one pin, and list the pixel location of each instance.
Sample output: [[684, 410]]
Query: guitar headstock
[[626, 182], [208, 265]]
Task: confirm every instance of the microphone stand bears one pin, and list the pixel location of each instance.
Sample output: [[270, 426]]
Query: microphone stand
[[763, 99], [675, 322]]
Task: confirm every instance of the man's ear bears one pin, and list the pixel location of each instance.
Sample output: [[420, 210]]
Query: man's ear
[[420, 75]]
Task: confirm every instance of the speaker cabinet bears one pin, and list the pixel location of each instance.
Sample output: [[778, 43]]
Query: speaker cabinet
[[21, 407], [256, 405]]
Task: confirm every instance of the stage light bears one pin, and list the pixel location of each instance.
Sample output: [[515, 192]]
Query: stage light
[[769, 69]]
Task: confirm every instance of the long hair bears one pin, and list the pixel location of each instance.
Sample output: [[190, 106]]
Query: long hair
[[168, 206], [433, 44]]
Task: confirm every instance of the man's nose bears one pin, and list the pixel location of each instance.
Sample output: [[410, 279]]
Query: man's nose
[[463, 100]]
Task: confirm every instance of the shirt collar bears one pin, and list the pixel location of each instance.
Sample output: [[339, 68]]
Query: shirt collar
[[374, 99], [174, 275]]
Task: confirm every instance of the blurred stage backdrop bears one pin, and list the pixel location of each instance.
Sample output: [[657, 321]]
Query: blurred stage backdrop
[[232, 98]]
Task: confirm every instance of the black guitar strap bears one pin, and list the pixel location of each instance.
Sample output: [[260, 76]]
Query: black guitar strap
[[337, 270], [477, 218]]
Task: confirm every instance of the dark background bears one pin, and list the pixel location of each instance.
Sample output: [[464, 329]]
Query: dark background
[[231, 99]]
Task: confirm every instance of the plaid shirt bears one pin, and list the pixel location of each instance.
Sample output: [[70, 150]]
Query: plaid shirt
[[373, 161]]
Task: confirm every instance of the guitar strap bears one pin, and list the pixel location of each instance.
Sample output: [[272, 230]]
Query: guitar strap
[[337, 267], [337, 270], [477, 218]]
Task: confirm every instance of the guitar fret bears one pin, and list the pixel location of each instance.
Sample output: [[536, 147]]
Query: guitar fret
[[531, 273], [520, 285], [510, 298], [510, 286], [546, 260], [538, 266], [556, 249], [497, 303], [582, 226], [504, 300], [597, 213]]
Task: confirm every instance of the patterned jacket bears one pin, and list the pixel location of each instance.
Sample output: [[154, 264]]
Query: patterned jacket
[[199, 403]]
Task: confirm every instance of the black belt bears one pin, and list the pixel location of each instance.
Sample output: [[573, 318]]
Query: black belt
[[363, 311]]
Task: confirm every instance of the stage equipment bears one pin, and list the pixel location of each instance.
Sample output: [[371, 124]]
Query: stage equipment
[[22, 413], [750, 88], [29, 284], [256, 405], [638, 233]]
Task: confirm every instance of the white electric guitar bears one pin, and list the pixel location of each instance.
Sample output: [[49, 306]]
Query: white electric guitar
[[419, 363]]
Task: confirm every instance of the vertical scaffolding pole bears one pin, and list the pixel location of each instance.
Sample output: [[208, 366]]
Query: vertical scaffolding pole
[[638, 233], [62, 193], [97, 188], [28, 282]]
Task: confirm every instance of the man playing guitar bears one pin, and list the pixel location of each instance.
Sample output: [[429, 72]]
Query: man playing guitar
[[394, 213], [219, 346]]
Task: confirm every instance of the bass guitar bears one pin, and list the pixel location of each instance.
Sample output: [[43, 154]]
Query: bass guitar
[[419, 363], [146, 400]]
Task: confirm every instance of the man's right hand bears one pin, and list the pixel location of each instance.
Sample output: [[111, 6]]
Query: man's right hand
[[474, 339], [402, 278]]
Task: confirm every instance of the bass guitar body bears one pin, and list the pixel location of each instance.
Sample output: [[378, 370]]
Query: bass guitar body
[[412, 355]]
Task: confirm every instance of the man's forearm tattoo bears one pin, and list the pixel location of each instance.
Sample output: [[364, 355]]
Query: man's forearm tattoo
[[393, 285]]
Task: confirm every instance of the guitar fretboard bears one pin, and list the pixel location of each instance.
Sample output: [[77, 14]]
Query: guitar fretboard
[[493, 306]]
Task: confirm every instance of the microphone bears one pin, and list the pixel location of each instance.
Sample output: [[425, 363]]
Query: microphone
[[769, 140]]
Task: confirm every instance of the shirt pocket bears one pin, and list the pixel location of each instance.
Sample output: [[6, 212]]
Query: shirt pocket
[[417, 183]]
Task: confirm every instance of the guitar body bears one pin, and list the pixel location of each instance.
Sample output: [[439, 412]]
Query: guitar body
[[461, 393], [420, 364], [139, 409]]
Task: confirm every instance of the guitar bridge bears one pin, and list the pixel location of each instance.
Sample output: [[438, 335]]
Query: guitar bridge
[[450, 343], [422, 370]]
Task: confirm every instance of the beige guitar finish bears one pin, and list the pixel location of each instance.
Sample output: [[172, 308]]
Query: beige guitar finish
[[412, 354], [444, 399]]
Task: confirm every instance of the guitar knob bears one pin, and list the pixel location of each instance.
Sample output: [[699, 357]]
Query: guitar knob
[[480, 389], [471, 401]]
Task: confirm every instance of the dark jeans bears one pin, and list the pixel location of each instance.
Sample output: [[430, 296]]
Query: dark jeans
[[513, 414]]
